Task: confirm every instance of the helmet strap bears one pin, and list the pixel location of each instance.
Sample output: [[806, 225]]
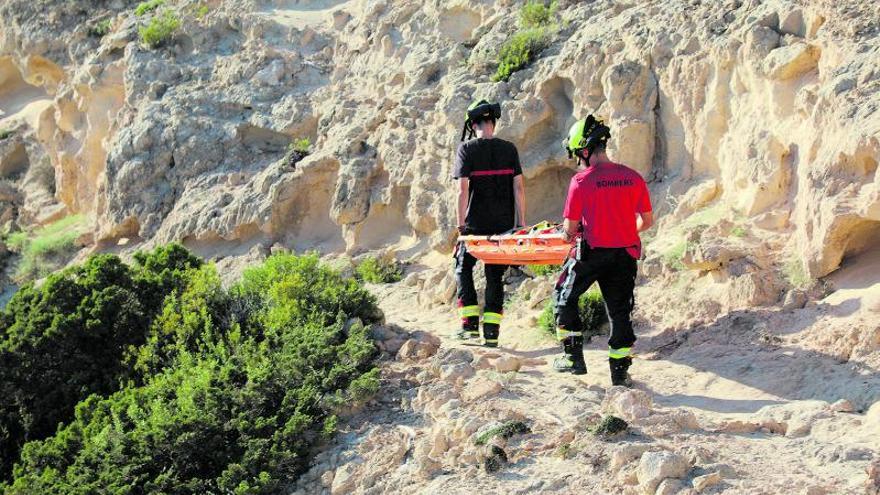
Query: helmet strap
[[468, 131]]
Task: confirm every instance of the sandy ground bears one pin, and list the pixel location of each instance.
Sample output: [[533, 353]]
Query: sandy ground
[[303, 13], [763, 410]]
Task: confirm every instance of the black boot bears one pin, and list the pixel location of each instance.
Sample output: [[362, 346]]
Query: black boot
[[620, 371], [490, 334], [470, 329], [572, 359]]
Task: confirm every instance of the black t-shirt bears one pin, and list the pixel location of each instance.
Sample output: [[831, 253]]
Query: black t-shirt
[[491, 165]]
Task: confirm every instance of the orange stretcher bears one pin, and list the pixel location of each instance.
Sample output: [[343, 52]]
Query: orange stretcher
[[541, 244]]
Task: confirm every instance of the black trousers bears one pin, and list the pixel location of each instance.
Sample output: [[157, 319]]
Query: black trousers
[[615, 270], [464, 273]]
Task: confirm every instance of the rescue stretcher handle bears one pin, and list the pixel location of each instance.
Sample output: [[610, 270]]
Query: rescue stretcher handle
[[502, 237]]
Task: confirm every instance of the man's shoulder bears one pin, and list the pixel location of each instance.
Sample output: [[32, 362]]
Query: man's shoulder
[[581, 176], [633, 173], [507, 144]]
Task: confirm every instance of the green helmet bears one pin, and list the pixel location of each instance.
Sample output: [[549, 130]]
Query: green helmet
[[479, 110], [587, 134]]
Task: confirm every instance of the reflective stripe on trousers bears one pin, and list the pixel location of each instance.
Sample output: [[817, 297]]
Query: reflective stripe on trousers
[[623, 352], [490, 317]]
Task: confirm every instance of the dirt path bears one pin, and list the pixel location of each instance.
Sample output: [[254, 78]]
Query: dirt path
[[698, 399]]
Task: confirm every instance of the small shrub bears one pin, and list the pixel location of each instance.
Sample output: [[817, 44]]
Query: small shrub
[[5, 133], [609, 426], [672, 256], [202, 11], [738, 231], [296, 151], [302, 145], [100, 29], [520, 50], [379, 270], [795, 273], [504, 430], [160, 30], [536, 13], [541, 270], [148, 6], [591, 309]]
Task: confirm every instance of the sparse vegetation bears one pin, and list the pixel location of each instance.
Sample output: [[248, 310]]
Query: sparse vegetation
[[672, 256], [202, 11], [591, 309], [44, 250], [160, 30], [541, 270], [379, 270], [538, 24], [794, 272], [297, 150], [301, 145], [5, 133], [536, 13], [100, 28], [738, 231], [148, 6], [609, 426], [520, 50], [504, 430]]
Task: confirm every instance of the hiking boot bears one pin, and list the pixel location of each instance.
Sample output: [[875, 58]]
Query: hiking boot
[[490, 334], [620, 372], [571, 363], [470, 329]]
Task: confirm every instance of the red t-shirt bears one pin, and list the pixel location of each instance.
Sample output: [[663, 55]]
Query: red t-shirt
[[605, 199]]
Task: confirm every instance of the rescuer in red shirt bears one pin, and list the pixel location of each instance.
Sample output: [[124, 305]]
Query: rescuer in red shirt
[[611, 204]]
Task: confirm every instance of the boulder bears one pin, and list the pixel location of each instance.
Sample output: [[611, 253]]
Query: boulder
[[654, 467]]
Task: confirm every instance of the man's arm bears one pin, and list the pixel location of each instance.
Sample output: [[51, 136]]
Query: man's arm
[[569, 228], [572, 211], [463, 191], [519, 194], [644, 221]]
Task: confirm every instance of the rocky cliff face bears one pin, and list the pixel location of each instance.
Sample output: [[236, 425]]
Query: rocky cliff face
[[763, 114]]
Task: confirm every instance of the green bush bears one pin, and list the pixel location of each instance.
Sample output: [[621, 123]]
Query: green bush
[[237, 388], [45, 249], [301, 145], [591, 309], [673, 256], [100, 29], [379, 270], [794, 272], [608, 427], [536, 13], [202, 11], [504, 430], [160, 29], [5, 133], [148, 6], [541, 270], [520, 50], [68, 338]]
